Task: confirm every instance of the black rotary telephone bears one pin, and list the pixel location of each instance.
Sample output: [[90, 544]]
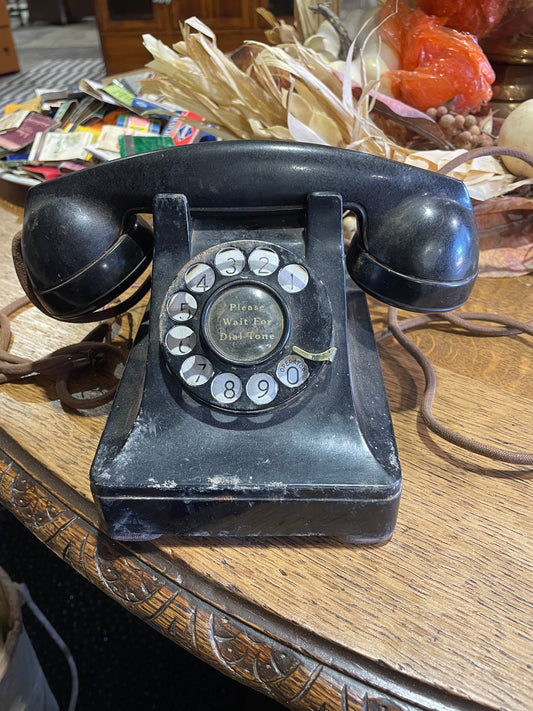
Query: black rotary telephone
[[252, 402]]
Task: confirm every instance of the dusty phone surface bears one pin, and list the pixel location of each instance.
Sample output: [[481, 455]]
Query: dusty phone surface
[[253, 401]]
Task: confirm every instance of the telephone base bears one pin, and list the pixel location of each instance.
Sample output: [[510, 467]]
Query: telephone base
[[132, 519], [341, 479]]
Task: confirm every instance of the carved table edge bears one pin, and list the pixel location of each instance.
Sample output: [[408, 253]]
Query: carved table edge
[[268, 663]]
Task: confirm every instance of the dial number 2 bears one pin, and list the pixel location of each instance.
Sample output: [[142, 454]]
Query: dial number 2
[[263, 261]]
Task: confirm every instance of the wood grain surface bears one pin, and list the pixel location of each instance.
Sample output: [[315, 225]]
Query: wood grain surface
[[439, 617]]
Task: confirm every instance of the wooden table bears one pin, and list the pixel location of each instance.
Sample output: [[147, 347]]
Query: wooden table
[[440, 617]]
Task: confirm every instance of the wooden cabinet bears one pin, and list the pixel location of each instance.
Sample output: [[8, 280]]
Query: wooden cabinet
[[122, 23], [8, 54]]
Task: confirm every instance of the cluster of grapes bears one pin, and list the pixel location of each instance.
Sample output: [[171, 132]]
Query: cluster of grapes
[[460, 130]]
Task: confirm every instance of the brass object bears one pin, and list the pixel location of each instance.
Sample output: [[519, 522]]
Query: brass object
[[509, 48], [512, 41]]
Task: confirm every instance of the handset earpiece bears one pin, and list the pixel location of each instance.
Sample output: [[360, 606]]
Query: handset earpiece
[[392, 263], [83, 257]]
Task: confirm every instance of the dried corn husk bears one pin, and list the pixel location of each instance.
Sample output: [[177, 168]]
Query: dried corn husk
[[484, 177], [287, 92], [280, 32], [308, 22]]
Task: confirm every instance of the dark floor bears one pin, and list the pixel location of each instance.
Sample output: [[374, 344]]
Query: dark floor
[[39, 41], [123, 663]]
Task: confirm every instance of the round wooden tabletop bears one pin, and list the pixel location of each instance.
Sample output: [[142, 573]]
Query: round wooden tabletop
[[439, 617]]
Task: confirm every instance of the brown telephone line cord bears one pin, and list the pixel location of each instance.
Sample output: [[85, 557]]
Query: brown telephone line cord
[[485, 151], [510, 327], [95, 348]]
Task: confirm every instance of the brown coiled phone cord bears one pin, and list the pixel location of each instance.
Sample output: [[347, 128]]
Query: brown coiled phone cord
[[507, 327], [95, 348], [485, 151]]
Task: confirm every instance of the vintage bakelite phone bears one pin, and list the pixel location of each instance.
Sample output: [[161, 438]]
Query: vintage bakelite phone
[[252, 402]]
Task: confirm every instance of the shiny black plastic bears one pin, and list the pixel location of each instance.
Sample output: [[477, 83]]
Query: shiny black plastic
[[324, 463], [416, 247]]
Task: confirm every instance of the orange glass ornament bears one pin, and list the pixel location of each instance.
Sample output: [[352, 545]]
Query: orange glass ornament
[[438, 65], [475, 16]]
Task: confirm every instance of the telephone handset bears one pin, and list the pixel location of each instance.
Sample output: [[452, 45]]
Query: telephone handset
[[252, 402]]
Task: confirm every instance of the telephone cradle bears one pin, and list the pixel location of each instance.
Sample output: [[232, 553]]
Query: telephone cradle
[[252, 402]]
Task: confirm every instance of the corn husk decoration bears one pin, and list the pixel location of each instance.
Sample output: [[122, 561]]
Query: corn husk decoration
[[307, 21], [288, 92]]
